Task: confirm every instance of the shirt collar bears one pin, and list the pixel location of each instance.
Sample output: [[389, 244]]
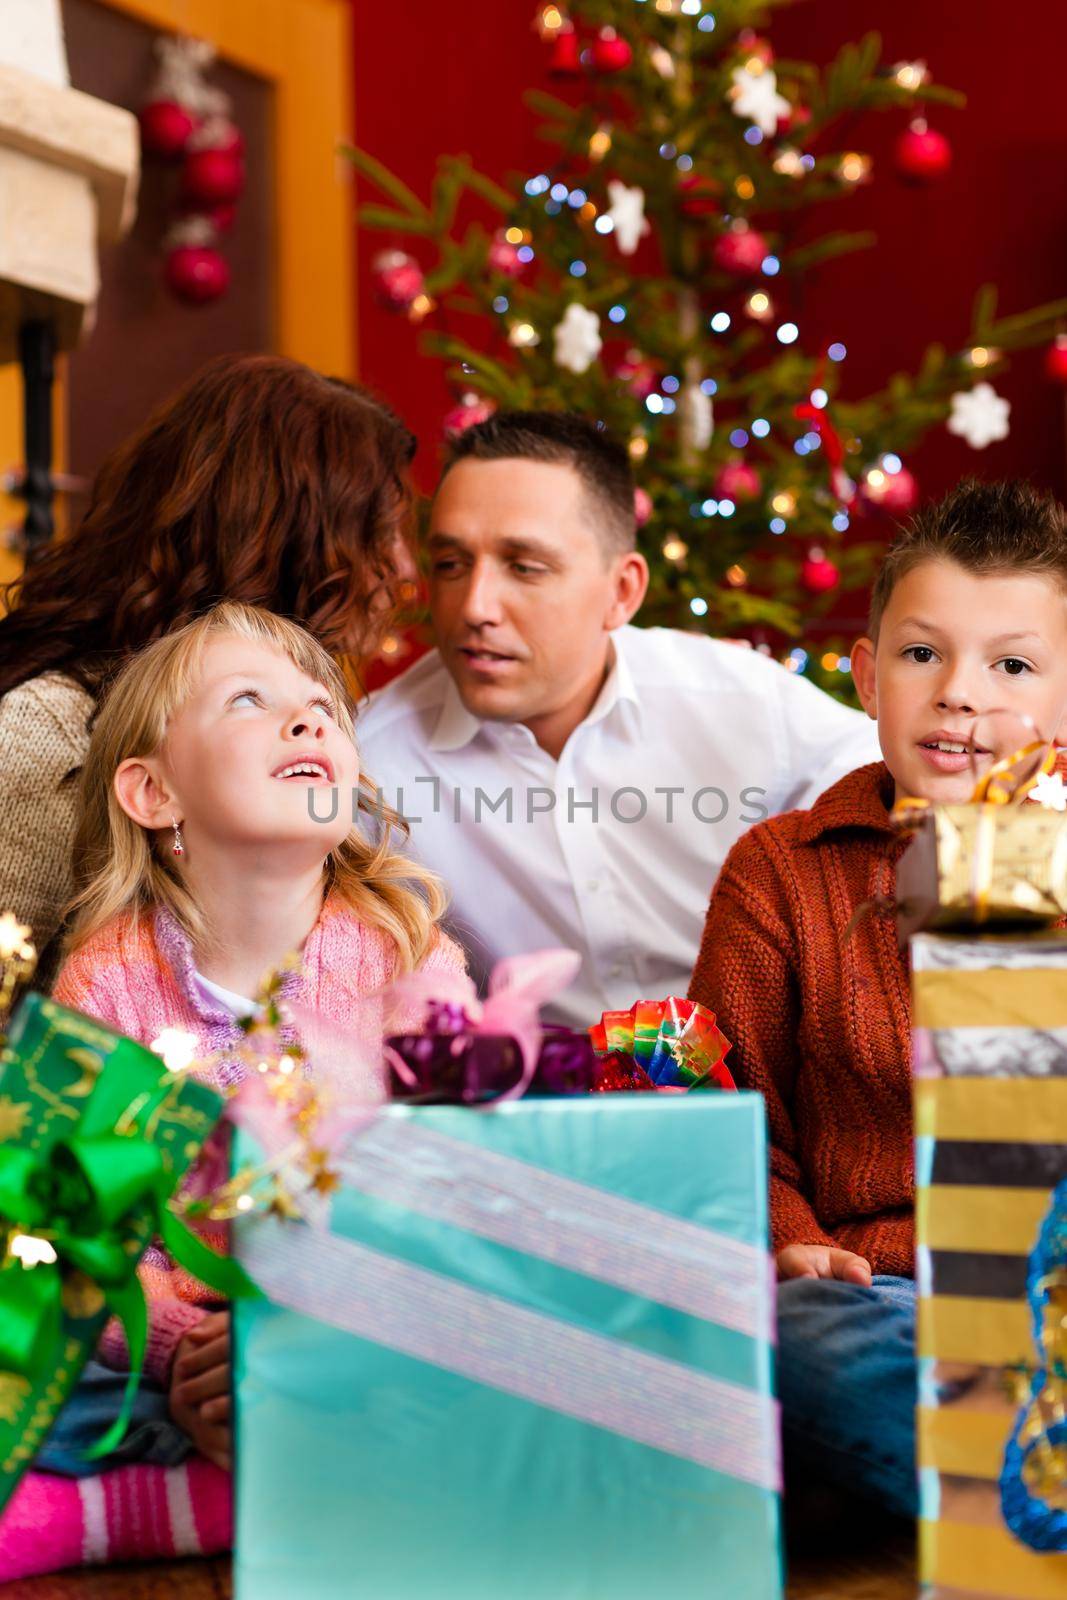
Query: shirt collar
[[861, 799], [456, 726]]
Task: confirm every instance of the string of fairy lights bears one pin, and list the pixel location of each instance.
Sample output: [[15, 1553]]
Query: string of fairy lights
[[795, 413]]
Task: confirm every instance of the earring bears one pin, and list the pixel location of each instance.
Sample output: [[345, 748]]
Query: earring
[[178, 848]]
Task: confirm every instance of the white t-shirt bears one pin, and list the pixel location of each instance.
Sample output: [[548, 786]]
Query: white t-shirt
[[613, 849], [236, 1004]]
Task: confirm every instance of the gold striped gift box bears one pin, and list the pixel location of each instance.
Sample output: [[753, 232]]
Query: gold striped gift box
[[990, 1064]]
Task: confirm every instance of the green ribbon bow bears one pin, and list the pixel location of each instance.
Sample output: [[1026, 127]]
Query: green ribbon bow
[[97, 1194]]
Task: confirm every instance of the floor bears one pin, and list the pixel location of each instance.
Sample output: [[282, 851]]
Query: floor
[[887, 1573]]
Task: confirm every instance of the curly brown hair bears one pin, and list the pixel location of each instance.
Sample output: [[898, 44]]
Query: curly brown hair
[[259, 481]]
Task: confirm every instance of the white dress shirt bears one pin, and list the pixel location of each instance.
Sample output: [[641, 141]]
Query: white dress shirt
[[613, 849]]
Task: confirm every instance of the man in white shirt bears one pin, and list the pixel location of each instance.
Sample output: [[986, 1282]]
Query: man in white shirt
[[573, 779]]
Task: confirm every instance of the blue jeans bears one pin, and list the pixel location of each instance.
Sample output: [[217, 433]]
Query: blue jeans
[[847, 1381], [93, 1406]]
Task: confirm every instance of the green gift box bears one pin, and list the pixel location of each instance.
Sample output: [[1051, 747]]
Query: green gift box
[[95, 1135]]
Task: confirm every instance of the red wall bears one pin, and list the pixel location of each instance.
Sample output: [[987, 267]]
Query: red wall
[[435, 78]]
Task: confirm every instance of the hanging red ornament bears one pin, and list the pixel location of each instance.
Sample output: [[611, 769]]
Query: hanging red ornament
[[222, 217], [212, 177], [399, 279], [1056, 359], [700, 196], [472, 409], [753, 44], [638, 374], [220, 133], [818, 573], [897, 492], [565, 58], [642, 506], [611, 53], [922, 154], [797, 117], [738, 481], [740, 251], [197, 274], [166, 128], [504, 254]]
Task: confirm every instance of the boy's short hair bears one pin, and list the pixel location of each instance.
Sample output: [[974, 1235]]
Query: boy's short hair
[[985, 527], [562, 438]]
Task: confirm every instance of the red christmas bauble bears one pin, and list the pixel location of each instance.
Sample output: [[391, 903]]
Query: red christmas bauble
[[565, 59], [818, 573], [504, 256], [700, 197], [922, 154], [610, 52], [893, 491], [197, 274], [639, 375], [221, 134], [795, 118], [222, 216], [471, 410], [399, 279], [1056, 359], [166, 127], [740, 252], [738, 481], [753, 44], [213, 177], [642, 506]]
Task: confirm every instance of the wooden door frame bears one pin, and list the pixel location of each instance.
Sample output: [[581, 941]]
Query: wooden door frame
[[302, 49]]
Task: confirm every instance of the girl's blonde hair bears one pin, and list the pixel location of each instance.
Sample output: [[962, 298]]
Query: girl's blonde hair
[[121, 870]]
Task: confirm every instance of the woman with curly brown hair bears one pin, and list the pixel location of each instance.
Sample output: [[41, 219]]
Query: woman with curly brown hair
[[259, 481]]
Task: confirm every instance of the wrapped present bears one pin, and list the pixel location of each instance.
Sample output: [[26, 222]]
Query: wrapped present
[[999, 860], [95, 1135], [530, 1358], [670, 1044], [990, 1057], [469, 1051], [973, 865]]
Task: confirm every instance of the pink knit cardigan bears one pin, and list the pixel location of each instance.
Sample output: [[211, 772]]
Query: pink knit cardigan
[[138, 975]]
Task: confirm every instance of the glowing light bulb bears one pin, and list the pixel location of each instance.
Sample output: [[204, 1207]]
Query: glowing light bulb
[[675, 549], [523, 336], [788, 163], [600, 142], [853, 167]]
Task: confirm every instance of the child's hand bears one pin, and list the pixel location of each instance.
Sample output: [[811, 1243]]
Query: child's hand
[[820, 1261], [200, 1388]]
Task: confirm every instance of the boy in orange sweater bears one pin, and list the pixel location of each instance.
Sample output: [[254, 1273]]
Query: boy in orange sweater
[[968, 616]]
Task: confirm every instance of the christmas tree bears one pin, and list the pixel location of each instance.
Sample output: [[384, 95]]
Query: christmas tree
[[648, 276]]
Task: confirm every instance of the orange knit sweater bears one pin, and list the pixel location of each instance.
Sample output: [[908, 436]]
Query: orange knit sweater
[[820, 1022]]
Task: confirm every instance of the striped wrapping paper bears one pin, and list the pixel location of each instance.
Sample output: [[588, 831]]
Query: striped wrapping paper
[[990, 1062]]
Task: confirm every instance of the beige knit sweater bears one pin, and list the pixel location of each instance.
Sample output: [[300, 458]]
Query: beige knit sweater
[[43, 736]]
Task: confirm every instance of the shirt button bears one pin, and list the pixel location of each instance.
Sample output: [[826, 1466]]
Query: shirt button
[[615, 972], [593, 885]]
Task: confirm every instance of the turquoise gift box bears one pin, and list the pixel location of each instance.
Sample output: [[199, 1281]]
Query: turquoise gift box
[[531, 1358]]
